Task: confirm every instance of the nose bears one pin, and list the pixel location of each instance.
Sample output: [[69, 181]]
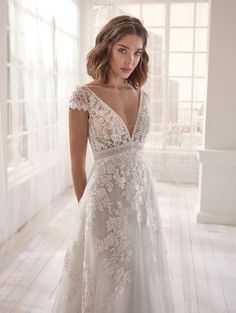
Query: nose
[[129, 59]]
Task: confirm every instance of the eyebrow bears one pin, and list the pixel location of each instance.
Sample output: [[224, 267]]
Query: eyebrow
[[140, 49]]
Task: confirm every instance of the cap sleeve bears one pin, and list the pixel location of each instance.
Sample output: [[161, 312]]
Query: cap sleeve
[[146, 96], [78, 99]]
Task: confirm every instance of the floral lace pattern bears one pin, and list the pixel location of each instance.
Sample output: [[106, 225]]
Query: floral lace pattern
[[119, 231]]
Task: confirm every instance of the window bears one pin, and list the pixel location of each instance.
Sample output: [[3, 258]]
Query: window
[[42, 63]]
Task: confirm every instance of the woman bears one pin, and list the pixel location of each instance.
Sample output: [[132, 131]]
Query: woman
[[116, 262]]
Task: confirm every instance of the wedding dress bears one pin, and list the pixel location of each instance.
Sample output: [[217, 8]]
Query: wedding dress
[[116, 261]]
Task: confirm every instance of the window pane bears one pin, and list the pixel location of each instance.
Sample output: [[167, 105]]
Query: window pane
[[132, 9], [180, 89], [201, 40], [171, 113], [11, 142], [200, 64], [174, 137], [179, 126], [31, 44], [155, 43], [156, 64], [153, 14], [155, 139], [156, 113], [66, 15], [23, 148], [180, 64], [98, 14], [202, 14], [20, 49], [181, 39], [30, 5], [64, 56], [22, 117], [199, 90], [157, 88], [21, 82], [157, 38], [182, 14], [9, 78], [46, 52], [37, 143], [20, 21], [197, 125]]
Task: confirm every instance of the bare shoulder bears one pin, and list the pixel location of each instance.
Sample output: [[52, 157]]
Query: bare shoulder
[[92, 84]]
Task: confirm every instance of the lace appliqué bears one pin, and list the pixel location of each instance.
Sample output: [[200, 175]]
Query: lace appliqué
[[78, 100]]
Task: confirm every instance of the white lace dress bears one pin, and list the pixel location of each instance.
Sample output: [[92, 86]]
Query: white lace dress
[[116, 261]]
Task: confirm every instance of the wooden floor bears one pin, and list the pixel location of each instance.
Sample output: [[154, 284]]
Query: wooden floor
[[202, 257]]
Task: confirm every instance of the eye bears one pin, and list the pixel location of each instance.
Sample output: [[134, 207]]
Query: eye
[[138, 53], [122, 50]]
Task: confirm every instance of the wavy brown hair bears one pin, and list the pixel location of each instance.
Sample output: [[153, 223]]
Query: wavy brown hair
[[99, 57]]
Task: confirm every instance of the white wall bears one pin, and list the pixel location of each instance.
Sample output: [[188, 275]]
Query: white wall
[[217, 202]]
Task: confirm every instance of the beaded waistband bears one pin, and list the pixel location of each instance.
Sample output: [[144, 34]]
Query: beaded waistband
[[111, 152]]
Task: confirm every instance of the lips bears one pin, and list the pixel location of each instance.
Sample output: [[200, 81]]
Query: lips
[[126, 70]]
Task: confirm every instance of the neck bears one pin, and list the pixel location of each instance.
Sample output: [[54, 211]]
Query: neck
[[116, 82], [117, 85]]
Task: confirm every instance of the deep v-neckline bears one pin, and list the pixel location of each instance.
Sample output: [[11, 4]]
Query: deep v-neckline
[[117, 115]]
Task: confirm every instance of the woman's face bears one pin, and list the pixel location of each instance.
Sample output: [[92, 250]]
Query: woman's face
[[125, 55]]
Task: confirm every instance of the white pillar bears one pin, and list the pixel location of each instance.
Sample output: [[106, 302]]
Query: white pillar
[[217, 180]]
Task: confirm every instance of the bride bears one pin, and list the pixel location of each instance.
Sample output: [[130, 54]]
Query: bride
[[116, 261]]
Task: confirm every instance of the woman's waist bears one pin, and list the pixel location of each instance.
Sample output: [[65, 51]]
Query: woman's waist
[[104, 154]]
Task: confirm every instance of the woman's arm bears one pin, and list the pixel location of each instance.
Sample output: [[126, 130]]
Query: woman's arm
[[78, 133]]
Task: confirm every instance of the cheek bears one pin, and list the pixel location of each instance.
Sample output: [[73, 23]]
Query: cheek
[[116, 58], [119, 57], [137, 61]]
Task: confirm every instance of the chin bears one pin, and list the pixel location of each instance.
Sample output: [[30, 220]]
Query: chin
[[125, 76]]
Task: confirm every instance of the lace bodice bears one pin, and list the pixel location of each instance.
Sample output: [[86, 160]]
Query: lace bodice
[[107, 130]]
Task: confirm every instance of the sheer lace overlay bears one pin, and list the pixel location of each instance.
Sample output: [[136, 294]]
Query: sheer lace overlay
[[116, 261]]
